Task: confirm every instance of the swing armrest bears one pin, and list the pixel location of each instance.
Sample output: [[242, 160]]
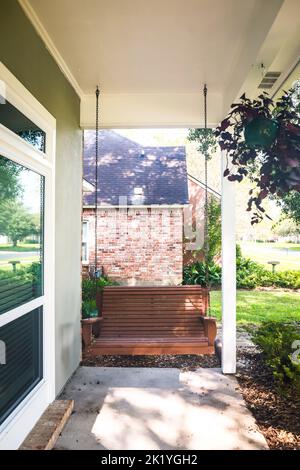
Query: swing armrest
[[210, 329], [90, 327]]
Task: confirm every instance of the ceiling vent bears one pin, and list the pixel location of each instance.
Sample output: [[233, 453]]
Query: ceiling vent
[[269, 80]]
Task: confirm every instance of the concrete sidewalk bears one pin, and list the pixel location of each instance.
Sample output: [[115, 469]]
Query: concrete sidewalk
[[155, 409]]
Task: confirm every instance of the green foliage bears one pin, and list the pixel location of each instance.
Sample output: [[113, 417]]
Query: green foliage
[[276, 340], [89, 309], [286, 227], [35, 138], [35, 270], [238, 251], [16, 222], [249, 275], [9, 183], [20, 274], [195, 274], [214, 229], [290, 206], [271, 163], [90, 287], [207, 142], [26, 274]]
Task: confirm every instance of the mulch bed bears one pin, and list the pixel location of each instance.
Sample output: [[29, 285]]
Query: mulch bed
[[278, 418], [186, 362]]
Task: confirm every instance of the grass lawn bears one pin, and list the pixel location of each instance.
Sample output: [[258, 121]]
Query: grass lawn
[[288, 254], [4, 265], [258, 306], [21, 247]]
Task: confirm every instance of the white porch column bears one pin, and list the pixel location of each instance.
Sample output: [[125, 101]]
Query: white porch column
[[228, 275]]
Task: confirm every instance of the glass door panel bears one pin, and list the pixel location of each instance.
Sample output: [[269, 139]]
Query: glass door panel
[[21, 234]]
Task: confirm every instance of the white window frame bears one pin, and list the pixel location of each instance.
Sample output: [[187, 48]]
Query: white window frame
[[15, 428], [85, 262]]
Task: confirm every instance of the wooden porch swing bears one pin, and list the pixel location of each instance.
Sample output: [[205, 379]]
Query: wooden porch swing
[[151, 320]]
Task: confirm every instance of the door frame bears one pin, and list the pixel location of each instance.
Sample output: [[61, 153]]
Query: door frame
[[19, 423]]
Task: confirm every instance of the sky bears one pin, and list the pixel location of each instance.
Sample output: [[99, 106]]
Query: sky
[[30, 182]]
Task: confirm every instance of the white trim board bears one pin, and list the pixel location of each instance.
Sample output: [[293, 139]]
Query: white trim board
[[16, 93], [15, 428], [37, 24]]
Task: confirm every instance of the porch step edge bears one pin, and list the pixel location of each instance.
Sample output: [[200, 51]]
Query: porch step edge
[[48, 428]]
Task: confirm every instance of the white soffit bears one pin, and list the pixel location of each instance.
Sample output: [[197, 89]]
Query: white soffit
[[151, 59], [280, 52]]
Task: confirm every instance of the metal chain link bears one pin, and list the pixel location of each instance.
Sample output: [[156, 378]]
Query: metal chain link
[[96, 181], [206, 208]]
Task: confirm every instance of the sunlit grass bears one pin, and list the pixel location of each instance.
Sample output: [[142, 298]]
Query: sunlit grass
[[23, 262], [21, 247], [259, 306], [285, 253]]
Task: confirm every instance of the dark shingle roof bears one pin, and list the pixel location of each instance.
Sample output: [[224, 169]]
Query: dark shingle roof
[[127, 169]]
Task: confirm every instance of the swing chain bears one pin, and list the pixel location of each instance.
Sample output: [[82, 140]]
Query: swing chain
[[206, 205], [96, 272]]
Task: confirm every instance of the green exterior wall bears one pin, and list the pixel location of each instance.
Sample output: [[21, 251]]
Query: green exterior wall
[[25, 55]]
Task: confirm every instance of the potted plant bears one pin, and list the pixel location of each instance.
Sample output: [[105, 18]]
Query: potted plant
[[262, 140], [91, 320], [89, 309]]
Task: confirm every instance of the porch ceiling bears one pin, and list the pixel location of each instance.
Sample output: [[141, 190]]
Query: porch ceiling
[[156, 51]]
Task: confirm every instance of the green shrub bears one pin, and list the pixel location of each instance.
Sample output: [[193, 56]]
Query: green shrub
[[89, 309], [249, 274], [258, 276], [290, 279], [238, 251], [90, 287], [275, 340], [195, 274]]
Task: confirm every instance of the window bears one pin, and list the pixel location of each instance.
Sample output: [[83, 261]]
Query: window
[[23, 367], [18, 123], [21, 231], [85, 255]]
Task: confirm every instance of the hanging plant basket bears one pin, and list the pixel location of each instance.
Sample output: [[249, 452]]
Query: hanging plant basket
[[262, 140], [261, 132]]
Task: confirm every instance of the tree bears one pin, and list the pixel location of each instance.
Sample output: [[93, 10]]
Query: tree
[[206, 140], [290, 202], [290, 205], [286, 228], [214, 229], [9, 182], [16, 222]]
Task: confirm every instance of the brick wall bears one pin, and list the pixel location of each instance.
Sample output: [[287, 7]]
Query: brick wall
[[138, 246]]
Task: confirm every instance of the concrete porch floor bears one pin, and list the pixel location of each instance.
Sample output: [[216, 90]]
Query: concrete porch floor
[[156, 409]]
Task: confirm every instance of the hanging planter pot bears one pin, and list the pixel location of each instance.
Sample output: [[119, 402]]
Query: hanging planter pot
[[261, 132], [261, 141]]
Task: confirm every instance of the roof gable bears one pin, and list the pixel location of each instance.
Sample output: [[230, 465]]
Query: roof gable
[[139, 175]]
